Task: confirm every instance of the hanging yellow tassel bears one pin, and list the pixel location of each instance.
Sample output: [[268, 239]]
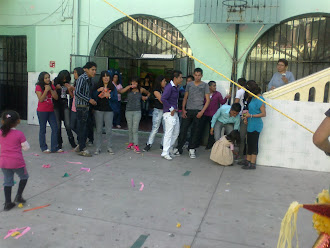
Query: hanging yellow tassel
[[289, 227]]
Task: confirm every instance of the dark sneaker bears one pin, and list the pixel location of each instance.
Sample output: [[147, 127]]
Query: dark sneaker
[[243, 162], [8, 206], [161, 147], [250, 166], [19, 199], [147, 148]]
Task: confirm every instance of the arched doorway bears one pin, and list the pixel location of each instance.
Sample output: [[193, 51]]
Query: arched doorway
[[303, 41], [134, 51]]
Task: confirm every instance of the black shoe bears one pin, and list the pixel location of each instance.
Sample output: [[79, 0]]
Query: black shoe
[[161, 147], [243, 162], [147, 148], [249, 166], [8, 206], [19, 199]]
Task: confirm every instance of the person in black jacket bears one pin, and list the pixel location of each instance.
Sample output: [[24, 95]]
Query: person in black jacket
[[61, 108]]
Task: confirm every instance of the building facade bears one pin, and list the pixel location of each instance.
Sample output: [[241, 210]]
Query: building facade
[[50, 36]]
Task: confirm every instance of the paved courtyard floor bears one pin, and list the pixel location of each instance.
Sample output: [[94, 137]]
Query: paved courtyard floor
[[216, 206]]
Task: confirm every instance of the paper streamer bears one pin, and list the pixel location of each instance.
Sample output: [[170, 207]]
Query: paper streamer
[[27, 210], [46, 166], [132, 183], [142, 186], [11, 231], [85, 169], [74, 162]]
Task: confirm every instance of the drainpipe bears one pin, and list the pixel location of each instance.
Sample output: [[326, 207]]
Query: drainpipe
[[234, 66], [75, 26]]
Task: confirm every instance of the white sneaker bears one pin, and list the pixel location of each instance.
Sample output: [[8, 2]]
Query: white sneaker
[[97, 152], [167, 157], [76, 149], [176, 152], [192, 153], [110, 151]]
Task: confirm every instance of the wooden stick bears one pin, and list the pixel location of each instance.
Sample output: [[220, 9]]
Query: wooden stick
[[27, 210]]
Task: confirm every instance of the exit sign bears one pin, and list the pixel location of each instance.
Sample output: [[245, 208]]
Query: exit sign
[[52, 64]]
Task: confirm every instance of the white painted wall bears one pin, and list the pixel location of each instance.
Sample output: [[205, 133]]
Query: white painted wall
[[283, 143], [32, 97]]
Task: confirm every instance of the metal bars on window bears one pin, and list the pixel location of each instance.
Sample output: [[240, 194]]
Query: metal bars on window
[[128, 40], [304, 42], [13, 74]]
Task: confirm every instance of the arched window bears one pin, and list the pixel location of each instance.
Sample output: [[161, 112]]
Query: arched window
[[326, 92], [311, 95], [303, 41], [127, 39], [297, 96]]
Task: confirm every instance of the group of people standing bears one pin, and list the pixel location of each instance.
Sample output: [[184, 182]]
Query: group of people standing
[[200, 107]]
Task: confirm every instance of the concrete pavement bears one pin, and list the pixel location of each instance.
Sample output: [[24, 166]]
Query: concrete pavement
[[216, 206]]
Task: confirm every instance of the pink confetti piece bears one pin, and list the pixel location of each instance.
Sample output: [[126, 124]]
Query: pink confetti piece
[[85, 169], [65, 152], [32, 154], [26, 229], [132, 182], [183, 209], [142, 186], [74, 162], [46, 166]]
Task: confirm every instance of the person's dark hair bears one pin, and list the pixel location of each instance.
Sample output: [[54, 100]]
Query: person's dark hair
[[63, 75], [9, 120], [41, 81], [100, 82], [284, 61], [234, 137], [89, 65], [176, 74], [79, 71], [256, 90], [158, 82], [198, 70], [236, 107], [250, 85], [147, 76], [242, 82], [116, 74], [135, 79], [211, 82], [191, 77]]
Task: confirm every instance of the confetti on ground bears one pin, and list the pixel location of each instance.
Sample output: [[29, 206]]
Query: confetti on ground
[[74, 162], [14, 232], [79, 209], [227, 190], [186, 246], [132, 183], [20, 205], [178, 225], [46, 166], [27, 210], [227, 183], [85, 169], [171, 235], [140, 241], [187, 173], [142, 186], [183, 209], [66, 175]]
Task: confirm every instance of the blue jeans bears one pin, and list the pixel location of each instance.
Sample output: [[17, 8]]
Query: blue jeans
[[157, 119], [51, 118], [116, 115], [82, 119], [9, 175]]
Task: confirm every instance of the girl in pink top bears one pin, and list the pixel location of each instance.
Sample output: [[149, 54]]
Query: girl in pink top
[[12, 142], [45, 91]]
